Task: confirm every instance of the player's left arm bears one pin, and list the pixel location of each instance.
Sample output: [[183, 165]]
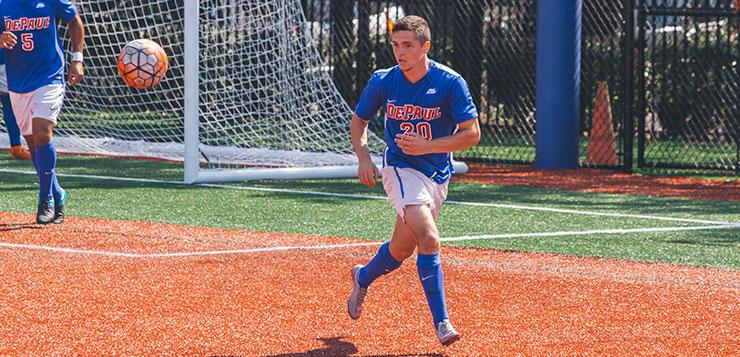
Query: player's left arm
[[76, 31], [467, 135]]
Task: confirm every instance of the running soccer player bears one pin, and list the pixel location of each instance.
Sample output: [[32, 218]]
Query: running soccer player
[[35, 70], [429, 113]]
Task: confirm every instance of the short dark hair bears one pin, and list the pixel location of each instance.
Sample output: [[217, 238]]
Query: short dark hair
[[415, 24]]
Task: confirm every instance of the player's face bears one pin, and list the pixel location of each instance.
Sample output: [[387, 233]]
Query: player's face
[[410, 53]]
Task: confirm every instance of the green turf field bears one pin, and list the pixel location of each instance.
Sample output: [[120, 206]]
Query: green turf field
[[632, 227]]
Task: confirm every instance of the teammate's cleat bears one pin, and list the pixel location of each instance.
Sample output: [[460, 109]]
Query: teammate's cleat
[[446, 334], [18, 152], [45, 213], [59, 208], [357, 298]]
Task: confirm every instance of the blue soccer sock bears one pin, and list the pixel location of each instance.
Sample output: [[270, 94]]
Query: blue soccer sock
[[432, 280], [56, 190], [46, 160], [14, 133], [381, 264]]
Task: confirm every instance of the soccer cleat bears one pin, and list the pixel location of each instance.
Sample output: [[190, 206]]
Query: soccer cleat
[[18, 152], [59, 208], [45, 213], [357, 298], [446, 334]]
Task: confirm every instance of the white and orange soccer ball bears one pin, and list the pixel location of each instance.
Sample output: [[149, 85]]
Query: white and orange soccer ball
[[142, 64]]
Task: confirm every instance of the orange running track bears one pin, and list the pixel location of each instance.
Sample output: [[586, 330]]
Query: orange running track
[[293, 302]]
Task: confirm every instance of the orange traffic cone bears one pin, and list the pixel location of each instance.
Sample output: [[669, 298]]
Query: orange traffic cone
[[602, 141]]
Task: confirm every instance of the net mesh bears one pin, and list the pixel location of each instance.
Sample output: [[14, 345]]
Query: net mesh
[[265, 99]]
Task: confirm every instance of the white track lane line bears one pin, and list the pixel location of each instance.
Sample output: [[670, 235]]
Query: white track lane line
[[373, 197], [359, 244]]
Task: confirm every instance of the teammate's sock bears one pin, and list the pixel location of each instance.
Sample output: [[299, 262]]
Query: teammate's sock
[[432, 280], [46, 159], [14, 133], [381, 264], [56, 190]]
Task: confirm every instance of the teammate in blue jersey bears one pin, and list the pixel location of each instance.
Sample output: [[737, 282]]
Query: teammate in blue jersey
[[17, 151], [428, 113], [35, 68]]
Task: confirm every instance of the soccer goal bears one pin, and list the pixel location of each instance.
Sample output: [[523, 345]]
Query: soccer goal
[[246, 96]]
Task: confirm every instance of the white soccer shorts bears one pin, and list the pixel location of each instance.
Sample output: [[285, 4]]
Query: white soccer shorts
[[43, 103], [408, 187]]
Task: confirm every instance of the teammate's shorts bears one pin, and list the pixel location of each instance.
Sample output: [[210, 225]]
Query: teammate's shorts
[[408, 187], [43, 103], [3, 80]]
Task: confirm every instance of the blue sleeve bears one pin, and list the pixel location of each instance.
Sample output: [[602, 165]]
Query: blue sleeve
[[371, 99], [462, 107], [65, 10]]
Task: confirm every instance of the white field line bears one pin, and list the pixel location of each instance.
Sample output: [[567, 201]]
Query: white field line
[[591, 232], [373, 197], [359, 244]]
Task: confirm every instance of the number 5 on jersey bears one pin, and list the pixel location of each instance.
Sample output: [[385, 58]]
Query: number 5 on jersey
[[27, 40]]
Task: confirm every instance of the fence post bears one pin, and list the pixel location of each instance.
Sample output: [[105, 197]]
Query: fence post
[[641, 44], [558, 83], [629, 90], [364, 53]]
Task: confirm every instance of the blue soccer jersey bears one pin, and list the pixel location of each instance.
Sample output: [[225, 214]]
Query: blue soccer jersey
[[432, 107], [38, 58]]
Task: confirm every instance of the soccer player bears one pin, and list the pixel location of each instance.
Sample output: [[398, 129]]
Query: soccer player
[[429, 113], [35, 69], [17, 151]]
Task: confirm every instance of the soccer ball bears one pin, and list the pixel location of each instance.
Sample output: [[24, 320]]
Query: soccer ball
[[142, 64]]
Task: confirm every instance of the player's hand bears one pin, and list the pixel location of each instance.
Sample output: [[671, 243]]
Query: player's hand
[[8, 40], [412, 143], [368, 173], [76, 72]]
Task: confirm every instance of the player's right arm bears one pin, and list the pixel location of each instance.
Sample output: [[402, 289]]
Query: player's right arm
[[8, 40], [367, 172], [371, 99]]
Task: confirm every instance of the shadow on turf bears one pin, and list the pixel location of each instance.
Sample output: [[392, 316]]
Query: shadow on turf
[[336, 347], [17, 226]]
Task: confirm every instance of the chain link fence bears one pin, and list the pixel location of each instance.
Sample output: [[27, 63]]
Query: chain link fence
[[689, 101], [490, 43], [493, 48], [685, 89]]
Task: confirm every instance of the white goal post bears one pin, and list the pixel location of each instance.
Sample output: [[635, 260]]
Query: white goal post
[[307, 162], [246, 97]]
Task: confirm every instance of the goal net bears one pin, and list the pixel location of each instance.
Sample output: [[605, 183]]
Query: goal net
[[246, 96]]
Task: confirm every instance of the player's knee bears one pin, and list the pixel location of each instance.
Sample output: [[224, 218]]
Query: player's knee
[[41, 138], [400, 253], [428, 244], [42, 131]]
